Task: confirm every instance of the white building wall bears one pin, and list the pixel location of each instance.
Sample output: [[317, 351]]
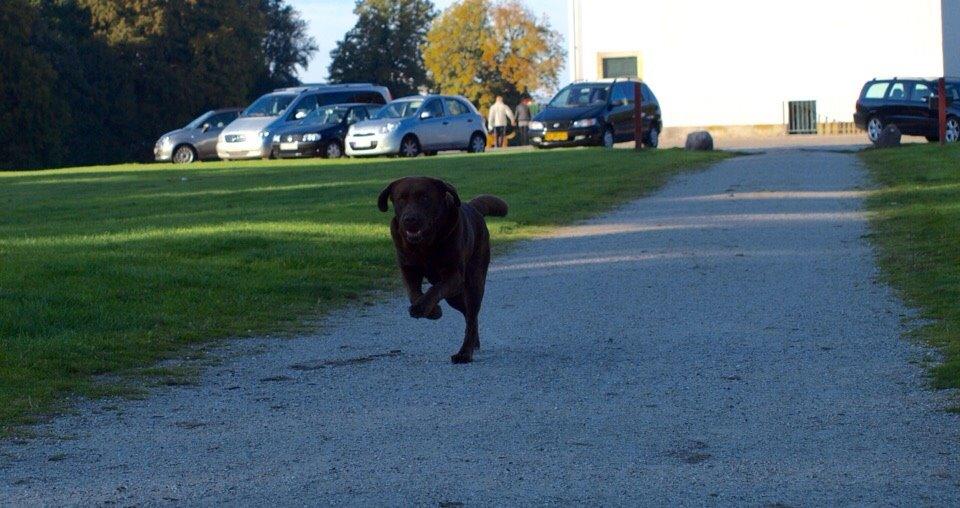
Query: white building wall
[[951, 37], [735, 62]]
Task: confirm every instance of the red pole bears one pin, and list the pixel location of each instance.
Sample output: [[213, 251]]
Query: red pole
[[942, 108], [637, 116]]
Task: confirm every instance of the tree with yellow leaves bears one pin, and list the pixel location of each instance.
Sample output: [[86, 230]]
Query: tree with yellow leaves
[[484, 48]]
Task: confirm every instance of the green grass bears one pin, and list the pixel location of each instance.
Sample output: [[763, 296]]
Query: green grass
[[110, 269], [917, 229]]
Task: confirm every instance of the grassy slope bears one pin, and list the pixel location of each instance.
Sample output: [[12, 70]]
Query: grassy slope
[[107, 269], [917, 228]]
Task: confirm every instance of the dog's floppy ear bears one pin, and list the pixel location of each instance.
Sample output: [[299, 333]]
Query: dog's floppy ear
[[384, 195], [453, 199]]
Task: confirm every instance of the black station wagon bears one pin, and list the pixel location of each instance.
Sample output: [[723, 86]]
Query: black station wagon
[[905, 102]]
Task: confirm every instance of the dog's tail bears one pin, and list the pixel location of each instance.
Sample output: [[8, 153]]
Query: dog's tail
[[489, 205]]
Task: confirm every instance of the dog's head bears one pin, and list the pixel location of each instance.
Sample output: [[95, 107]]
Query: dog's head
[[424, 207]]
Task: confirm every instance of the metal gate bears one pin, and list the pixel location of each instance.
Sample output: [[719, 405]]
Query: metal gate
[[802, 117]]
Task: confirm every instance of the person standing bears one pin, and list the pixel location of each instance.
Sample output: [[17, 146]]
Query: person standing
[[498, 119], [523, 120]]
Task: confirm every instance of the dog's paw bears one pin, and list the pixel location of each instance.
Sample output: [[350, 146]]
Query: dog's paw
[[462, 357], [419, 310]]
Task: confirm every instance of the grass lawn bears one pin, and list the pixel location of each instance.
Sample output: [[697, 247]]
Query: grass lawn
[[917, 228], [110, 269]]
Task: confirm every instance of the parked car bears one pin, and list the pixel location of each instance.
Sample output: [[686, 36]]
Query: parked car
[[420, 124], [906, 103], [321, 132], [195, 141], [596, 113], [250, 136]]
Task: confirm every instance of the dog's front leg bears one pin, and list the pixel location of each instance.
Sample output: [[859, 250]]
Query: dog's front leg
[[413, 280], [450, 285]]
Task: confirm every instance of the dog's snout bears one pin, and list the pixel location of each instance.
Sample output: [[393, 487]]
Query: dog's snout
[[411, 222]]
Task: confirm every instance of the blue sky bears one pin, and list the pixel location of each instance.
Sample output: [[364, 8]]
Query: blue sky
[[330, 19]]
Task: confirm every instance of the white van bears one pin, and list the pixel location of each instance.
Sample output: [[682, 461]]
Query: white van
[[248, 137]]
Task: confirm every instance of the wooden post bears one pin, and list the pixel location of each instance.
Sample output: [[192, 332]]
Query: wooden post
[[942, 109], [637, 116]]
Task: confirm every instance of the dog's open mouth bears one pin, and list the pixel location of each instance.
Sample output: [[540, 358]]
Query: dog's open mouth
[[413, 236]]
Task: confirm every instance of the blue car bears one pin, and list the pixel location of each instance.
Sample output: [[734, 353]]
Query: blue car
[[321, 132], [596, 113]]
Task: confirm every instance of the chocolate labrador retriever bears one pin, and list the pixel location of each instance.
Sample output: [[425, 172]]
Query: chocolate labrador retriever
[[445, 241]]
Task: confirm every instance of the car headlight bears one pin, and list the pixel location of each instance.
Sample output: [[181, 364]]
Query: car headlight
[[536, 126], [264, 134], [276, 138], [311, 137], [389, 127], [586, 122], [165, 141]]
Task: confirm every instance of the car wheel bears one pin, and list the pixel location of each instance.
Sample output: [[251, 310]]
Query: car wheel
[[409, 147], [607, 139], [478, 143], [184, 154], [653, 138], [874, 129], [333, 150], [953, 129]]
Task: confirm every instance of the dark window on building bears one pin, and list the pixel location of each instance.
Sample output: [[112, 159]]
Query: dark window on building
[[620, 67]]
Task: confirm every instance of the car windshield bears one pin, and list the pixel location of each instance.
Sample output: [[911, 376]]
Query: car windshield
[[269, 105], [400, 109], [198, 121], [576, 96], [327, 115]]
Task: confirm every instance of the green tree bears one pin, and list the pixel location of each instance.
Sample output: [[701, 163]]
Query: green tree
[[28, 119], [384, 45], [286, 44], [481, 49], [96, 81]]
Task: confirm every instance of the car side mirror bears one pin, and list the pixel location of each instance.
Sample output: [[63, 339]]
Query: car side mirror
[[205, 127], [299, 115], [424, 115]]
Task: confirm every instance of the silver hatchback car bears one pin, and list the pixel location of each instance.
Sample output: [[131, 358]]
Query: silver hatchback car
[[422, 124]]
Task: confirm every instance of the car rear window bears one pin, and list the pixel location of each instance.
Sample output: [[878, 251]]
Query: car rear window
[[876, 90]]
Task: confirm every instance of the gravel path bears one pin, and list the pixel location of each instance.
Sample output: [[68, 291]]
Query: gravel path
[[722, 342]]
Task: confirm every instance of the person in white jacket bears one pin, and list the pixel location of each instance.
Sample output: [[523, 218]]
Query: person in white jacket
[[498, 119]]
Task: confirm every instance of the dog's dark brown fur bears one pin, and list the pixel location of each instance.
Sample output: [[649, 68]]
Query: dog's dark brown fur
[[445, 241]]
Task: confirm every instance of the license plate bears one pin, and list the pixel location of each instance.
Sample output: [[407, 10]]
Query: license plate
[[288, 146], [555, 136], [362, 144]]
